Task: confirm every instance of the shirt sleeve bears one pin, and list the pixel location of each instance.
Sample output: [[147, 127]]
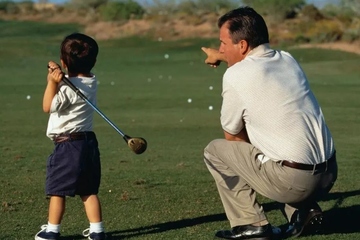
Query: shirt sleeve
[[232, 109], [63, 99]]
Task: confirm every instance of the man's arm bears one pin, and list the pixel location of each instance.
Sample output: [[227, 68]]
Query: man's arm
[[241, 136], [214, 57]]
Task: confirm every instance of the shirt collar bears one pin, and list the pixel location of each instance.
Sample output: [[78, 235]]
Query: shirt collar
[[260, 50]]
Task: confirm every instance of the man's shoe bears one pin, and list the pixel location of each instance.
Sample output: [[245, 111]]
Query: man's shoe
[[44, 235], [247, 232], [303, 223], [94, 235]]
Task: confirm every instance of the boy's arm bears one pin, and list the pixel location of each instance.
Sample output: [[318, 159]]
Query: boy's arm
[[214, 57], [54, 76], [49, 94]]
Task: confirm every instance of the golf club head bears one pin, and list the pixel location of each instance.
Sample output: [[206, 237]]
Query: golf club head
[[137, 144]]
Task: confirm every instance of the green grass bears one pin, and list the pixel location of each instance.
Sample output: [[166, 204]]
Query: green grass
[[167, 192]]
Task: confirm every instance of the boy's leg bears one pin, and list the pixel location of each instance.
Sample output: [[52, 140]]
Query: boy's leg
[[93, 211], [88, 187], [56, 212], [92, 208], [56, 209]]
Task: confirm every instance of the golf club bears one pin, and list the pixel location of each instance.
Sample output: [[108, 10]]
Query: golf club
[[137, 144]]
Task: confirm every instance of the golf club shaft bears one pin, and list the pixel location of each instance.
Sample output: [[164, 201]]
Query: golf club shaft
[[80, 94]]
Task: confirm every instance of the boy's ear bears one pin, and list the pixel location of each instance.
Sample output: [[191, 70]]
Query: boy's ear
[[63, 65]]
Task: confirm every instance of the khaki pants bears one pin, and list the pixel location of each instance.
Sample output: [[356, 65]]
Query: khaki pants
[[239, 176]]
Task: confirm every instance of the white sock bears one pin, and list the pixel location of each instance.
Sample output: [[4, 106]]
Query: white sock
[[96, 227], [53, 228]]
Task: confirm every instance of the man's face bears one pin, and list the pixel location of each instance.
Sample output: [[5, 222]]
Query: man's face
[[233, 52]]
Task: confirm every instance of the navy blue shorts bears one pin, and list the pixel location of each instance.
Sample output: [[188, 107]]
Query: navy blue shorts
[[74, 168]]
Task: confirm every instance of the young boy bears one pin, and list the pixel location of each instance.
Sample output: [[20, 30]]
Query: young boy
[[74, 166]]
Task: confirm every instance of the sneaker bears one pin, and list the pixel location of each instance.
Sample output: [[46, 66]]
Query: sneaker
[[94, 235], [44, 235]]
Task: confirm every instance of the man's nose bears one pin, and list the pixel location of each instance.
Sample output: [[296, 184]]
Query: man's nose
[[221, 49]]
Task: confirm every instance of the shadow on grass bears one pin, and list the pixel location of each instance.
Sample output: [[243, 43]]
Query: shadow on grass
[[163, 227], [184, 223], [341, 219], [73, 237], [337, 220]]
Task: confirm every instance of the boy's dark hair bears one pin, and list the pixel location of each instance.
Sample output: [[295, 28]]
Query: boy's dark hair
[[78, 52], [245, 23]]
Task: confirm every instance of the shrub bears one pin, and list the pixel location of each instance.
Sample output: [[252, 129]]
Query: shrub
[[277, 10], [26, 7], [311, 13], [199, 7], [190, 8], [3, 5], [9, 7], [352, 32], [87, 4], [120, 10], [325, 31]]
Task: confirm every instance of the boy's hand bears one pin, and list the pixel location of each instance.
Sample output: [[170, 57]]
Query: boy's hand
[[54, 72], [214, 58]]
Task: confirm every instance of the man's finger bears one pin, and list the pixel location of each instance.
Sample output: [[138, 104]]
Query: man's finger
[[204, 49]]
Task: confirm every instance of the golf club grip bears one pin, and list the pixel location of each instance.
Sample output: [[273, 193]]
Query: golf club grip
[[74, 88]]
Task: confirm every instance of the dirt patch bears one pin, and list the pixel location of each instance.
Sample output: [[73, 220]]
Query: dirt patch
[[169, 30], [111, 30]]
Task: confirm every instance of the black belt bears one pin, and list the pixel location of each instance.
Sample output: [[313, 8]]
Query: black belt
[[66, 137], [315, 167]]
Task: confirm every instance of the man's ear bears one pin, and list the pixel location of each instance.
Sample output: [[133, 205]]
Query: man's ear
[[243, 46]]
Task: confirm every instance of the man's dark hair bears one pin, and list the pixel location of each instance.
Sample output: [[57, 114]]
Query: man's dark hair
[[245, 23], [79, 52]]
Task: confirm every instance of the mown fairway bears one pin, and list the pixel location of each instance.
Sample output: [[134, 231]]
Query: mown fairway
[[165, 193]]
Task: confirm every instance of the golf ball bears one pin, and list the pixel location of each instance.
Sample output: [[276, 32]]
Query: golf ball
[[210, 108], [112, 83], [211, 88], [28, 97], [189, 100], [166, 56]]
